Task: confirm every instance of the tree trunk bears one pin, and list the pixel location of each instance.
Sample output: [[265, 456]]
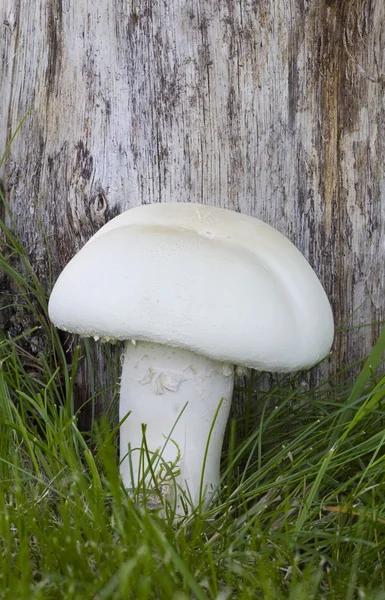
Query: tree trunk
[[273, 108]]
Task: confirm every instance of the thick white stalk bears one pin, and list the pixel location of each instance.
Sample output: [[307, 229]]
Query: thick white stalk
[[177, 392]]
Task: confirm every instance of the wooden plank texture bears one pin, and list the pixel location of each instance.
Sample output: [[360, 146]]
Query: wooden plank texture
[[274, 108]]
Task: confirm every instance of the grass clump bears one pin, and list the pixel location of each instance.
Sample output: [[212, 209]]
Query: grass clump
[[300, 515]]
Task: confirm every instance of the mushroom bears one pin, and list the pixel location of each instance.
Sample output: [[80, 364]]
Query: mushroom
[[194, 291]]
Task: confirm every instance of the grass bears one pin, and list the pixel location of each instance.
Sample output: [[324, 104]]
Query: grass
[[301, 512]]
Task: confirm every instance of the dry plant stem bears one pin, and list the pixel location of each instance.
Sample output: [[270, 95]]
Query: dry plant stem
[[176, 394]]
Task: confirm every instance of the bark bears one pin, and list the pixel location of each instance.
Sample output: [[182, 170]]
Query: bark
[[274, 108]]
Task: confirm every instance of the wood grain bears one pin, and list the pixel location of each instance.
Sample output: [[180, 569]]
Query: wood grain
[[274, 108]]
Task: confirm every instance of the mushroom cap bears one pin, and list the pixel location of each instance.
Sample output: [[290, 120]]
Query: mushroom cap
[[210, 280]]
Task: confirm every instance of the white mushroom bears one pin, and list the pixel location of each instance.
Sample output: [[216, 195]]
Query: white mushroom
[[198, 289]]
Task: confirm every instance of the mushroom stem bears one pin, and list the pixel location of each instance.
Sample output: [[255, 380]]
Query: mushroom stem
[[176, 394]]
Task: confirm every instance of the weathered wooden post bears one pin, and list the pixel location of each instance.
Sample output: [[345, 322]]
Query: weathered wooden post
[[269, 107]]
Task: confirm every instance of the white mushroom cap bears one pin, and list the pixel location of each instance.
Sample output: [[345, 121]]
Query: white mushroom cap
[[219, 283]]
